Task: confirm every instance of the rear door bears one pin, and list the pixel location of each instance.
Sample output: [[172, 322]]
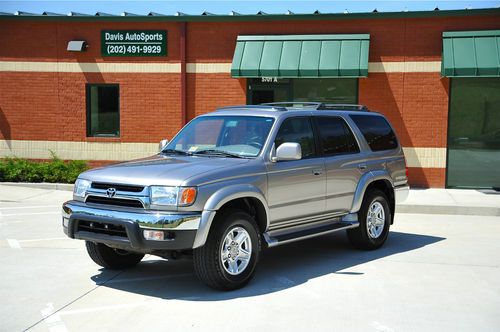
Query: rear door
[[343, 162]]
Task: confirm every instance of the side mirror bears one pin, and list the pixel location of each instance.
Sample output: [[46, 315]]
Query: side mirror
[[163, 143], [288, 151]]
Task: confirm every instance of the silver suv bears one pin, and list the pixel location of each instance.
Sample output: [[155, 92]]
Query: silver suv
[[239, 179]]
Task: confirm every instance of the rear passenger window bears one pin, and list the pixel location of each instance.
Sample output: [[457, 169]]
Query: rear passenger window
[[377, 132], [336, 137], [297, 130]]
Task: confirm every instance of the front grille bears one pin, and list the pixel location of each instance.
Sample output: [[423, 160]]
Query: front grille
[[101, 228], [118, 187], [115, 201]]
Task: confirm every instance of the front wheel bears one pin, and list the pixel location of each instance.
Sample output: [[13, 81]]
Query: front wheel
[[110, 258], [228, 259], [374, 220]]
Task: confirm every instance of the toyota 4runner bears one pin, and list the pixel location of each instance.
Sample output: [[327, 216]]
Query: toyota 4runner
[[239, 179]]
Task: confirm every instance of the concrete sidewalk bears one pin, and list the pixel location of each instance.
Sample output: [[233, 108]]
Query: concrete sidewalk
[[452, 201], [426, 201]]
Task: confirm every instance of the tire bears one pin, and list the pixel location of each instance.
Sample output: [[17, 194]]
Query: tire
[[110, 258], [370, 236], [212, 264]]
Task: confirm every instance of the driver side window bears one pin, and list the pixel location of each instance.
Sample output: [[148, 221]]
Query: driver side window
[[297, 130]]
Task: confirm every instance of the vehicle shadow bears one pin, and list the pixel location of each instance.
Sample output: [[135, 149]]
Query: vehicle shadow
[[279, 269]]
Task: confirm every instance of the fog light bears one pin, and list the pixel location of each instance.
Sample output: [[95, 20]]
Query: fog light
[[65, 222], [153, 235]]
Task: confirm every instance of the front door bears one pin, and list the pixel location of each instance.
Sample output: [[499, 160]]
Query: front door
[[297, 187], [262, 91]]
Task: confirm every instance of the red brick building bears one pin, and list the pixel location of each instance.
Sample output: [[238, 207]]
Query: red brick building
[[98, 104]]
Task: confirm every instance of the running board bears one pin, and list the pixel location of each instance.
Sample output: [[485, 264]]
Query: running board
[[308, 233]]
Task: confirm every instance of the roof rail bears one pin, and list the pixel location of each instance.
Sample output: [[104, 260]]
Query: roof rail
[[265, 107], [344, 107], [320, 106], [295, 104]]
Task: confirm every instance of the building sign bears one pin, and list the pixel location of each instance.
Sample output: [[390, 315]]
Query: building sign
[[134, 43], [266, 79]]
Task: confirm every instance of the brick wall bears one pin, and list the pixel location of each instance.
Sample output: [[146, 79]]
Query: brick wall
[[51, 105]]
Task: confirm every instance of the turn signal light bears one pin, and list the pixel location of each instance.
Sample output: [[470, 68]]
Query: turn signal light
[[187, 196]]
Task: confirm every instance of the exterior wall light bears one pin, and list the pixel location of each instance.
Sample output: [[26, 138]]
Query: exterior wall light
[[77, 46]]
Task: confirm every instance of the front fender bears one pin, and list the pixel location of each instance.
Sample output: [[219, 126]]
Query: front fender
[[364, 182], [218, 199]]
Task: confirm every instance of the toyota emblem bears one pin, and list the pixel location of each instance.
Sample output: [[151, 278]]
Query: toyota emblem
[[111, 192]]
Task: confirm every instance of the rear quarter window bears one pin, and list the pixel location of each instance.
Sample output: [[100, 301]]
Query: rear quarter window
[[376, 131]]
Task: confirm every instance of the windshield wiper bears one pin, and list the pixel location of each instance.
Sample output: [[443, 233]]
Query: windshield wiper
[[174, 151], [219, 153]]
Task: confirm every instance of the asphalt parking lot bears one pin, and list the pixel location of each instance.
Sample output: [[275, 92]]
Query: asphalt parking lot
[[435, 273]]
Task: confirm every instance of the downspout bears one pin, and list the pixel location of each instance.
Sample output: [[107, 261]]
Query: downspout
[[182, 45]]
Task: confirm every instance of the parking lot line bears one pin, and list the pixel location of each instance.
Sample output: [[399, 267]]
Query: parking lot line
[[114, 281], [30, 214], [53, 320], [13, 243], [103, 308], [29, 207], [47, 239]]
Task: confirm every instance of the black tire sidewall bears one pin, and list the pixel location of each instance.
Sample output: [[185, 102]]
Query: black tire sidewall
[[245, 221], [380, 197]]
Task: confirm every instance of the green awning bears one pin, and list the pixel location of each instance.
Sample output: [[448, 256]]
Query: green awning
[[471, 53], [301, 56]]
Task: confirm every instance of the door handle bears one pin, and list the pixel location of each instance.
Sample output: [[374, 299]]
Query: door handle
[[362, 167], [317, 171]]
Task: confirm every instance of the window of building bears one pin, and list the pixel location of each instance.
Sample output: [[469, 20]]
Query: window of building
[[377, 132], [336, 137], [474, 133], [297, 130], [324, 90], [103, 110]]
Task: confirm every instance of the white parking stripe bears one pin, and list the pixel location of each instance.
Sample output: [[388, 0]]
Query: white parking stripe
[[47, 239], [114, 281], [14, 244], [30, 214], [29, 207], [102, 308], [53, 320]]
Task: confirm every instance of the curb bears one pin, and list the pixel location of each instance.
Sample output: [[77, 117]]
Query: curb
[[449, 209], [42, 185]]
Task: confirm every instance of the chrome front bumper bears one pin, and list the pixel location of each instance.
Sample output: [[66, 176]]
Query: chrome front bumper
[[182, 227]]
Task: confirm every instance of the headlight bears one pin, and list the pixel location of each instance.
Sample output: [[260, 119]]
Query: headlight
[[164, 195], [81, 187], [161, 195]]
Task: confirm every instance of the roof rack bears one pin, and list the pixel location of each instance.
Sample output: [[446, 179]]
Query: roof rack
[[319, 106], [266, 107], [343, 107], [303, 104]]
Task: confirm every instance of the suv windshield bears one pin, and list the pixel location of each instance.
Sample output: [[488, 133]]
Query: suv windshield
[[241, 136]]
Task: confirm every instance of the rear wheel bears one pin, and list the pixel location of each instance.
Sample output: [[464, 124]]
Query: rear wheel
[[228, 259], [374, 220], [110, 258]]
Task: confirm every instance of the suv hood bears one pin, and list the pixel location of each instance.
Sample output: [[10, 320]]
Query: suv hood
[[160, 170]]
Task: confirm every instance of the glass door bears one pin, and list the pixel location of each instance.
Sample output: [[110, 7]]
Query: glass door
[[323, 90], [474, 133], [268, 90]]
